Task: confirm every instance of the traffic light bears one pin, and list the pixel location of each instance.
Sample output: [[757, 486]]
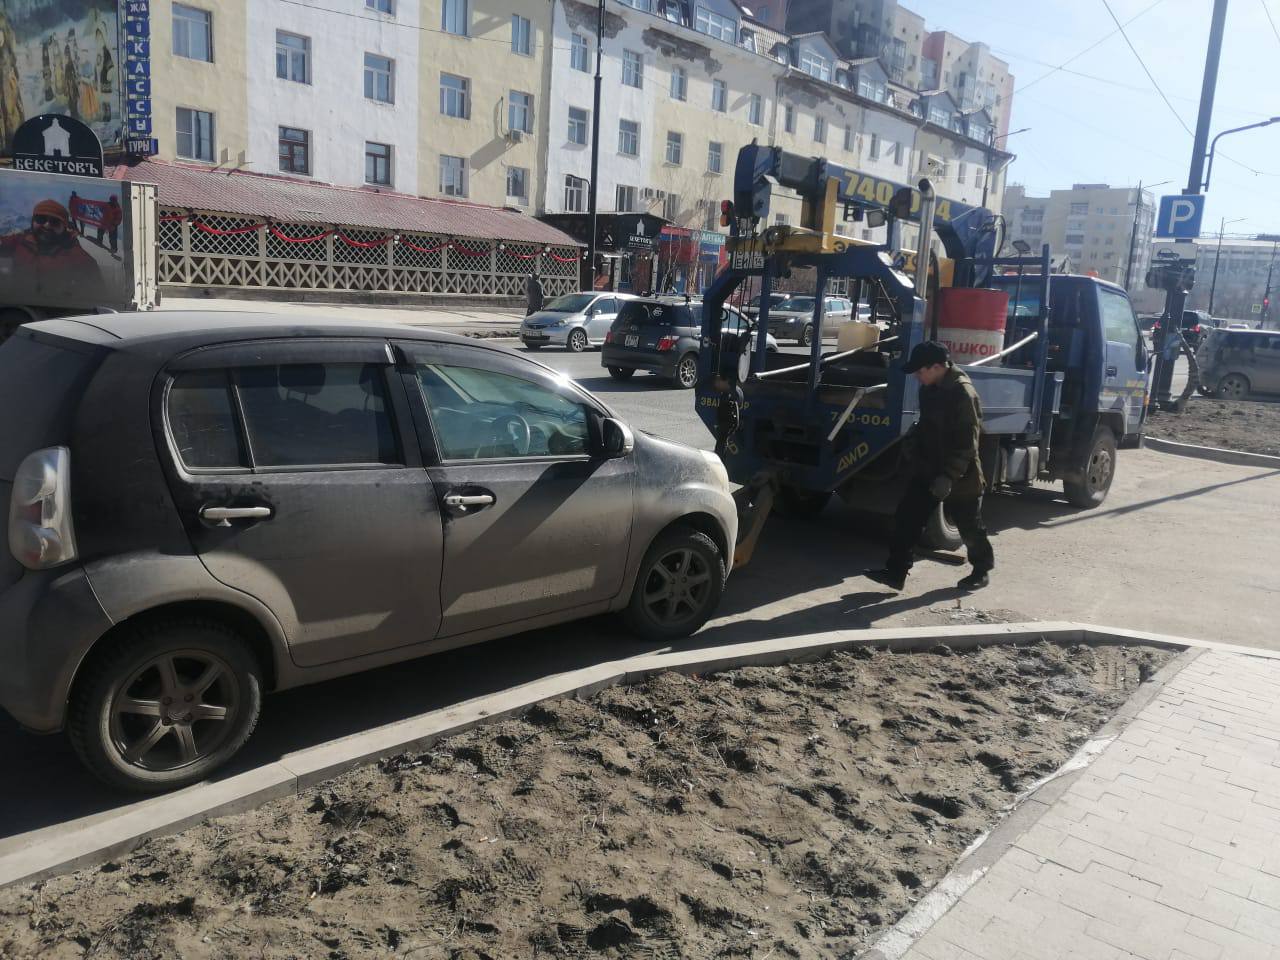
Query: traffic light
[[726, 212]]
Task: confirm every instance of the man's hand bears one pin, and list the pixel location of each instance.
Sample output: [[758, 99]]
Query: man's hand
[[941, 487]]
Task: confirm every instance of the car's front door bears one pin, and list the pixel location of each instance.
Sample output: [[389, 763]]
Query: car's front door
[[1124, 359], [535, 524], [296, 472], [600, 317]]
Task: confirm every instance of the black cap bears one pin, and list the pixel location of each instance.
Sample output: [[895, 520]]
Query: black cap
[[926, 355]]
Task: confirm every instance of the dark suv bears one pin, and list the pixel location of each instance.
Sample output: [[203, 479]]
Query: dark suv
[[206, 506]]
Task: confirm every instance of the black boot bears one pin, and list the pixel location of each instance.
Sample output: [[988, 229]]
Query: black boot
[[889, 578], [974, 581]]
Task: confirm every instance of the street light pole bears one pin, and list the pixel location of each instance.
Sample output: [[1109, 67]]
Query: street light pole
[[1213, 284], [1133, 236], [1266, 294], [991, 147], [595, 151]]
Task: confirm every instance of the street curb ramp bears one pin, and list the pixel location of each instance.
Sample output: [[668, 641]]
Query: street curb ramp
[[105, 839]]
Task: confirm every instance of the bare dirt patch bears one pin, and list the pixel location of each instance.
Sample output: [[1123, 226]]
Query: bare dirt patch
[[792, 811], [1248, 425]]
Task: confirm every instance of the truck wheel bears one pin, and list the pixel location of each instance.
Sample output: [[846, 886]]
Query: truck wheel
[[1089, 481], [940, 533], [166, 706], [622, 373], [797, 503], [678, 587]]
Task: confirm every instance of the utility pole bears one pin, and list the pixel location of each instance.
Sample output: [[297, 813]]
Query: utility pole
[[1266, 294], [1133, 239], [1213, 285], [592, 197]]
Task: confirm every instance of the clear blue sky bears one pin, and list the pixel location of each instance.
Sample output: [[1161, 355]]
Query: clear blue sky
[[1111, 126]]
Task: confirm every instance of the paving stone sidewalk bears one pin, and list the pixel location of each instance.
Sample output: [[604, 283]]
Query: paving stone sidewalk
[[1167, 847]]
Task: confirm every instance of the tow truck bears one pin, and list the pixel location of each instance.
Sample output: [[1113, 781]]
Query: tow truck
[[1066, 389]]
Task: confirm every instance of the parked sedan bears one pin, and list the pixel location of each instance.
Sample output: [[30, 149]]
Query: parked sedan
[[663, 336], [574, 321], [793, 319], [207, 506]]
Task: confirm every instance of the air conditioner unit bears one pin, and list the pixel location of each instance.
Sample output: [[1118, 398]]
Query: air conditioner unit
[[652, 193], [515, 136]]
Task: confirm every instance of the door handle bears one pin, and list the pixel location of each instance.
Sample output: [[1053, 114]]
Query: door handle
[[1113, 371], [223, 516], [465, 501]]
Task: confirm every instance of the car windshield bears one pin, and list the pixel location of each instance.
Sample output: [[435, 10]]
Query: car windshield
[[570, 303], [800, 304]]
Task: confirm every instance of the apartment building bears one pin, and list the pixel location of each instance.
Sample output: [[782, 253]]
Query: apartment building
[[974, 77], [1092, 224]]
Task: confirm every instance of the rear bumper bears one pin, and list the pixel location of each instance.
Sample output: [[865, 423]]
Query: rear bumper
[[663, 364], [48, 621]]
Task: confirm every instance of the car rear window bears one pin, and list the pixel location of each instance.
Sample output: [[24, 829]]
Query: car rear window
[[294, 415], [647, 314]]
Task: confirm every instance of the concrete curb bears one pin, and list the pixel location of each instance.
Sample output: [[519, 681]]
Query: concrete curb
[[1022, 815], [86, 845], [1216, 454]]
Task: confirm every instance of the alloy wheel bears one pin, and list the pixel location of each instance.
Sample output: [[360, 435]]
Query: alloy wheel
[[677, 586], [687, 372]]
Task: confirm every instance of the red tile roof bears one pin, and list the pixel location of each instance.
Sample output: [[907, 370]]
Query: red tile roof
[[297, 201]]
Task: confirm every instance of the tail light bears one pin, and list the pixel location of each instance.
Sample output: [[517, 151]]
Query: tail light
[[1196, 328], [608, 337], [40, 533], [666, 343]]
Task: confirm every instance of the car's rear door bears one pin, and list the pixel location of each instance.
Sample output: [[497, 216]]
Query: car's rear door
[[642, 326], [297, 474], [534, 524]]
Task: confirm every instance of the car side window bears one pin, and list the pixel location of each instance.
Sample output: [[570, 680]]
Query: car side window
[[201, 415], [1118, 321], [483, 415], [606, 306], [317, 414]]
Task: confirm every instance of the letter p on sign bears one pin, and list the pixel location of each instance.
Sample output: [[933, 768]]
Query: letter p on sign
[[1180, 217]]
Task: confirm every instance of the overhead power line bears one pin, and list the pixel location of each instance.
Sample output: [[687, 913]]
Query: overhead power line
[[1097, 43], [1137, 56], [1270, 19]]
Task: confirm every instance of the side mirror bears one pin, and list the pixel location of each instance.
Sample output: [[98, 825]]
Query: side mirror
[[616, 440]]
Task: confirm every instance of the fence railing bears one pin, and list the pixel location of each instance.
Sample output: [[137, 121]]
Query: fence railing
[[210, 249]]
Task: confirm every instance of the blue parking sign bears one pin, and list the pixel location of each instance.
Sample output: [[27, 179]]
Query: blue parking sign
[[1180, 216]]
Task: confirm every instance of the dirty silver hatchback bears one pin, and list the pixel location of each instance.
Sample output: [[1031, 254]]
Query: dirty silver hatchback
[[203, 508]]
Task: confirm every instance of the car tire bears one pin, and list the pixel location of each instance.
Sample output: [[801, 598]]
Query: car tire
[[806, 335], [686, 375], [1090, 478], [662, 609], [796, 503], [577, 340], [940, 533], [150, 669], [1234, 386], [622, 373], [533, 346]]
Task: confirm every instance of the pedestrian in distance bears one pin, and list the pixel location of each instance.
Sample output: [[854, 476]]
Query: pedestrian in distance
[[943, 466], [533, 294]]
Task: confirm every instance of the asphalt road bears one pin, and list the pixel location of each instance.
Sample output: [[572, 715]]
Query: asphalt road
[[1181, 546]]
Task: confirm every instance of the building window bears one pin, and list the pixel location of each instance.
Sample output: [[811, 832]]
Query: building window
[[382, 6], [625, 199], [521, 35], [643, 5], [780, 219], [632, 69], [575, 194], [455, 17], [195, 135], [848, 138], [379, 78], [815, 65], [714, 25], [711, 223], [453, 176], [295, 150], [671, 206], [789, 119], [961, 172], [578, 121], [377, 164], [1079, 209], [755, 112], [520, 112], [871, 88], [455, 99], [293, 57], [875, 146], [579, 53], [679, 83], [897, 154], [675, 147], [192, 33], [628, 138], [715, 157], [518, 184], [940, 116], [819, 130], [719, 96]]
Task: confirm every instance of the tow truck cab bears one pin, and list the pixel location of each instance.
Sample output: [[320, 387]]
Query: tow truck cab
[[1095, 342]]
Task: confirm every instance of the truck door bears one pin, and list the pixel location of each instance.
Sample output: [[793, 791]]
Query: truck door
[[1124, 375]]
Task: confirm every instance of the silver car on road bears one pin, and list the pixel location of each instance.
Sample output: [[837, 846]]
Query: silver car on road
[[574, 321]]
